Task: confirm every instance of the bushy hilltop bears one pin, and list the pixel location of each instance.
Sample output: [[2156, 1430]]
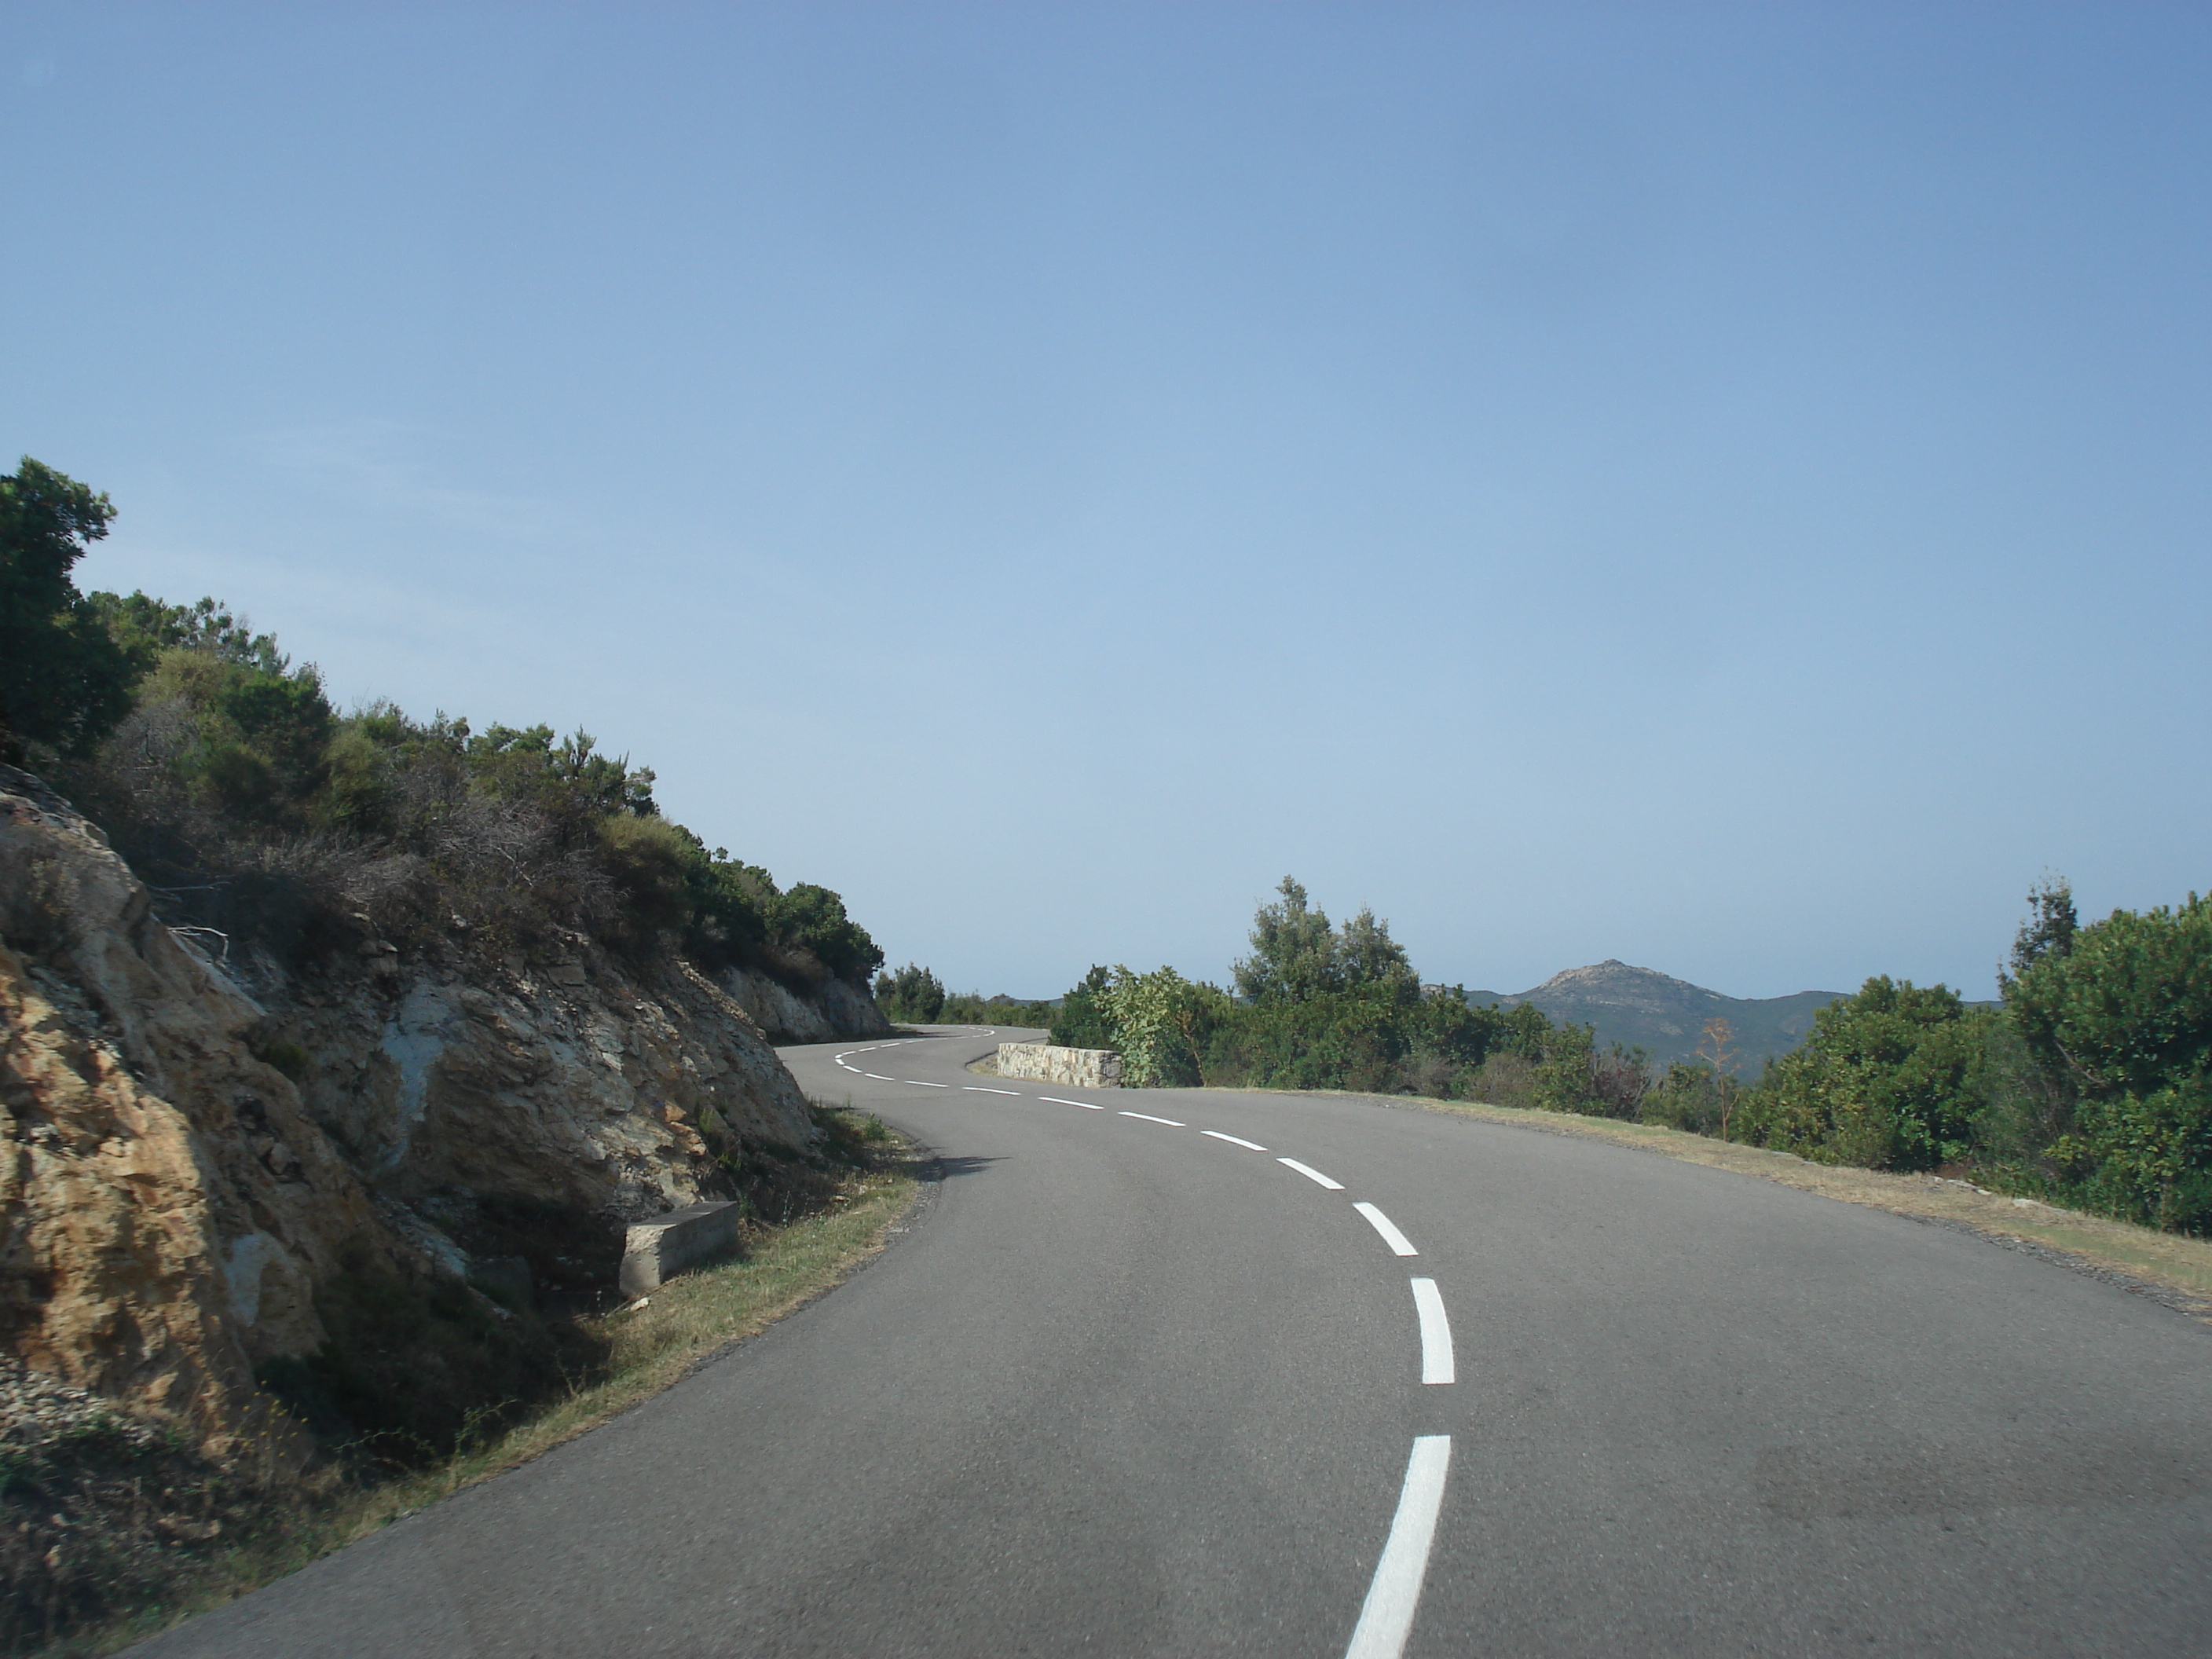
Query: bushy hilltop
[[258, 813]]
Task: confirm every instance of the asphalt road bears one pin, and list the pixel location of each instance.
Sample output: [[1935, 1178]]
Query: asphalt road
[[1129, 1387]]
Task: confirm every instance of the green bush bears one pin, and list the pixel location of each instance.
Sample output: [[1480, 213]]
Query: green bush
[[65, 679], [912, 996], [649, 861], [812, 919], [1694, 1097], [2117, 1021], [1081, 1021], [1890, 1077]]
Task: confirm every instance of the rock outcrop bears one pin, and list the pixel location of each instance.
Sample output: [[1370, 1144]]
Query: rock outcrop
[[187, 1152], [836, 1010], [167, 1204]]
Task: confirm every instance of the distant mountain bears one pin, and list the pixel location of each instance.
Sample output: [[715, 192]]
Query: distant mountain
[[1667, 1017]]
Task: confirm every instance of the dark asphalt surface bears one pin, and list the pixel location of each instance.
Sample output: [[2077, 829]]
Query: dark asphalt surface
[[1124, 1388]]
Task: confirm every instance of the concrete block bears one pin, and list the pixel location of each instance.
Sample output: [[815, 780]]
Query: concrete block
[[660, 1249]]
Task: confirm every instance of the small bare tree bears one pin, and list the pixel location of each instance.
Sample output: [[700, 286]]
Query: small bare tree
[[1715, 1049]]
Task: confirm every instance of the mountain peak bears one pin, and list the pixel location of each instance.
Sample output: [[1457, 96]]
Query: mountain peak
[[1643, 1008]]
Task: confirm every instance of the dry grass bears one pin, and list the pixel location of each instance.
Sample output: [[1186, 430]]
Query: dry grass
[[654, 1343], [2178, 1269]]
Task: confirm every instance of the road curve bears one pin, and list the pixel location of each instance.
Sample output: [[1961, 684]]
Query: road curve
[[1198, 1372]]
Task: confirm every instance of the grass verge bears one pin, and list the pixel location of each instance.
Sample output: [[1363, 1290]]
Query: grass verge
[[651, 1345]]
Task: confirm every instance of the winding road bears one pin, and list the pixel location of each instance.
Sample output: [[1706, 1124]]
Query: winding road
[[1207, 1372]]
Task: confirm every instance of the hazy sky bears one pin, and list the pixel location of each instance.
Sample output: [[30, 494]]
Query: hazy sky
[[1725, 488]]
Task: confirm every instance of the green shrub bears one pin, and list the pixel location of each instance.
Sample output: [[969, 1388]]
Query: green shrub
[[649, 861], [912, 996], [1890, 1077], [2117, 1020], [65, 679], [1081, 1021], [1695, 1097]]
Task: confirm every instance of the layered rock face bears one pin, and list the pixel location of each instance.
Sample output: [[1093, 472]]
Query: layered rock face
[[169, 1200], [836, 1010]]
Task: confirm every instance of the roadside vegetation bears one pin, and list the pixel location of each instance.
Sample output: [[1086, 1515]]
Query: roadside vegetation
[[100, 1512], [2088, 1085], [915, 996], [261, 814]]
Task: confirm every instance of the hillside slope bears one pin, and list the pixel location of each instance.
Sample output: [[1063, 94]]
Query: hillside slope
[[1665, 1016], [190, 1161]]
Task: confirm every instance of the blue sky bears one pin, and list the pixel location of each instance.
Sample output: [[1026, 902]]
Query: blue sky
[[1723, 488]]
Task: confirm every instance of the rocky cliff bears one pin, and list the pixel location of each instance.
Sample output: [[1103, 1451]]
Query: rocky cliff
[[832, 1010], [188, 1150]]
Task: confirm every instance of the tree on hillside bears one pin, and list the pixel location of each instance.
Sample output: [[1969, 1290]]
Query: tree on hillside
[[2124, 1017], [1294, 951], [1367, 956], [1889, 1078], [1297, 955], [912, 996], [65, 680], [2049, 929], [208, 626], [1083, 1021]]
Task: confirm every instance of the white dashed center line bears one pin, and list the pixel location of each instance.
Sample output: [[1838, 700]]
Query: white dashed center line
[[1382, 1225], [1436, 1333], [878, 1076], [1394, 1595], [1085, 1104], [1311, 1174], [977, 1089], [918, 1083], [1149, 1118], [1235, 1140]]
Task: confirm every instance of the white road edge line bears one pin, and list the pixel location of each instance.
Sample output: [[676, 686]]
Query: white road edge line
[[1235, 1140], [977, 1089], [1312, 1174], [1382, 1225], [1386, 1617], [1149, 1118], [1085, 1104], [1436, 1333]]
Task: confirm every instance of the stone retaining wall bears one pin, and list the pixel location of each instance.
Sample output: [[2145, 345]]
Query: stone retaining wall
[[1073, 1068]]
